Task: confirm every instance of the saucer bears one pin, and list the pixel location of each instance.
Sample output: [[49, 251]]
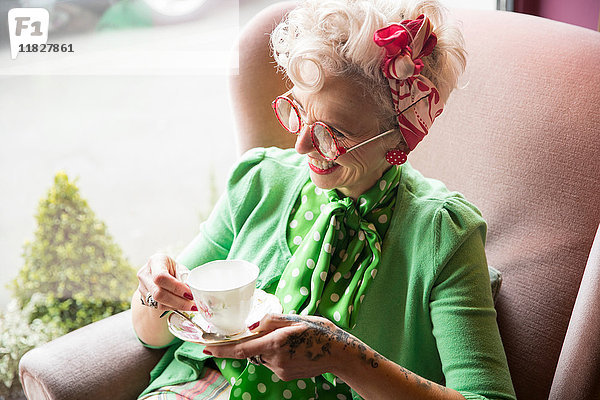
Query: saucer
[[262, 304]]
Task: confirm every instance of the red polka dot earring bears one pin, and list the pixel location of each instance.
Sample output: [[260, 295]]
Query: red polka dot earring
[[395, 157]]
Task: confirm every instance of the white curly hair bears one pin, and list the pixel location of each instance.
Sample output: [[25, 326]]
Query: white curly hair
[[335, 38]]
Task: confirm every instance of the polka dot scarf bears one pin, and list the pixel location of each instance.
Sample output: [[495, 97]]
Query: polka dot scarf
[[336, 246]]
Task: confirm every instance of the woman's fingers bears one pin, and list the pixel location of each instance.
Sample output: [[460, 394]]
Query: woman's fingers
[[171, 300], [164, 271], [275, 331], [157, 278], [270, 322], [291, 346], [260, 345]]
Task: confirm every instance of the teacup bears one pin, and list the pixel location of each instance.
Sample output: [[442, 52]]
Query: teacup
[[223, 293]]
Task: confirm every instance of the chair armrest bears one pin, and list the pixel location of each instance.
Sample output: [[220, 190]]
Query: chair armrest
[[578, 367], [103, 360]]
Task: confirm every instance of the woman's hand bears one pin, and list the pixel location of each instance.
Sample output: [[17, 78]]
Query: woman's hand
[[292, 346], [296, 347], [159, 289], [159, 279]]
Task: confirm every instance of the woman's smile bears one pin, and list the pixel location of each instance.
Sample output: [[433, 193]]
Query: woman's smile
[[322, 167], [337, 104]]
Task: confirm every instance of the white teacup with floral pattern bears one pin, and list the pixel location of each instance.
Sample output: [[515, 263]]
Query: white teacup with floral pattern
[[223, 293]]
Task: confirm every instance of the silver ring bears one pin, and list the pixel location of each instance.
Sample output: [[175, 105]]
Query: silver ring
[[150, 302], [256, 360]]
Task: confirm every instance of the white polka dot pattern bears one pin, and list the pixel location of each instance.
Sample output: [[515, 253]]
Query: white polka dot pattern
[[395, 157], [251, 381], [336, 245], [337, 276]]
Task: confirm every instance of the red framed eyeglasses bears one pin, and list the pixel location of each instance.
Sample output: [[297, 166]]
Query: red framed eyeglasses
[[323, 136]]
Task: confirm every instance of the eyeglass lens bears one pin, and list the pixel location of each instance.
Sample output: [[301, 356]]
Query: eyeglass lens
[[324, 141], [290, 119], [287, 115]]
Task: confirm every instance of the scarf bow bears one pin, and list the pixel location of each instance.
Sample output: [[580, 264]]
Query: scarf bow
[[337, 258], [404, 45]]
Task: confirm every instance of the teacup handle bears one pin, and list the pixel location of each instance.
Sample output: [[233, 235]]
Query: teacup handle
[[182, 275]]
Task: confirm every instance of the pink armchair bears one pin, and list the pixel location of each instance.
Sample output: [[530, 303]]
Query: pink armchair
[[521, 140]]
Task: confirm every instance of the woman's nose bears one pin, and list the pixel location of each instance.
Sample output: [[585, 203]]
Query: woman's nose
[[304, 143]]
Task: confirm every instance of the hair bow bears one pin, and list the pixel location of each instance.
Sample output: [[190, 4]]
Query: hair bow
[[405, 44]]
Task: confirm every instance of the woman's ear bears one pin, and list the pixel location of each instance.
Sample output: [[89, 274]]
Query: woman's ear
[[401, 145], [395, 140]]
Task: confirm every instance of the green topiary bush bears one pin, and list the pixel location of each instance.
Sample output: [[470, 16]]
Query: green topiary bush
[[72, 254], [73, 274], [73, 313]]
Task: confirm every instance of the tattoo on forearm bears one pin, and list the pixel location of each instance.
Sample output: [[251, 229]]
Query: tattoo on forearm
[[424, 383], [316, 340], [420, 381]]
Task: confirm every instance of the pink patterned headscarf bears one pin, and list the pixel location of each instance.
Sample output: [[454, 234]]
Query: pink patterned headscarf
[[405, 44]]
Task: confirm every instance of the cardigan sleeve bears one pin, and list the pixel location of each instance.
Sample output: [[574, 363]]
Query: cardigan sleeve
[[461, 307]]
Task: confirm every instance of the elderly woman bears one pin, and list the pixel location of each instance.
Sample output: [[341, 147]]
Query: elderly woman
[[381, 272]]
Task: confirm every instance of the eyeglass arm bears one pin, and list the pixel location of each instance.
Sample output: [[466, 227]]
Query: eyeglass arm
[[370, 140], [384, 133]]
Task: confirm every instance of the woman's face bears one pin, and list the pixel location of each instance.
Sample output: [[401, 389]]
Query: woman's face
[[342, 105]]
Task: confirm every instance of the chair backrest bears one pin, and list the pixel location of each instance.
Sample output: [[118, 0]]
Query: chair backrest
[[521, 140]]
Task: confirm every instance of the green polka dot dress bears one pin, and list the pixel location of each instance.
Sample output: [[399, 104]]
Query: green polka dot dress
[[249, 381]]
